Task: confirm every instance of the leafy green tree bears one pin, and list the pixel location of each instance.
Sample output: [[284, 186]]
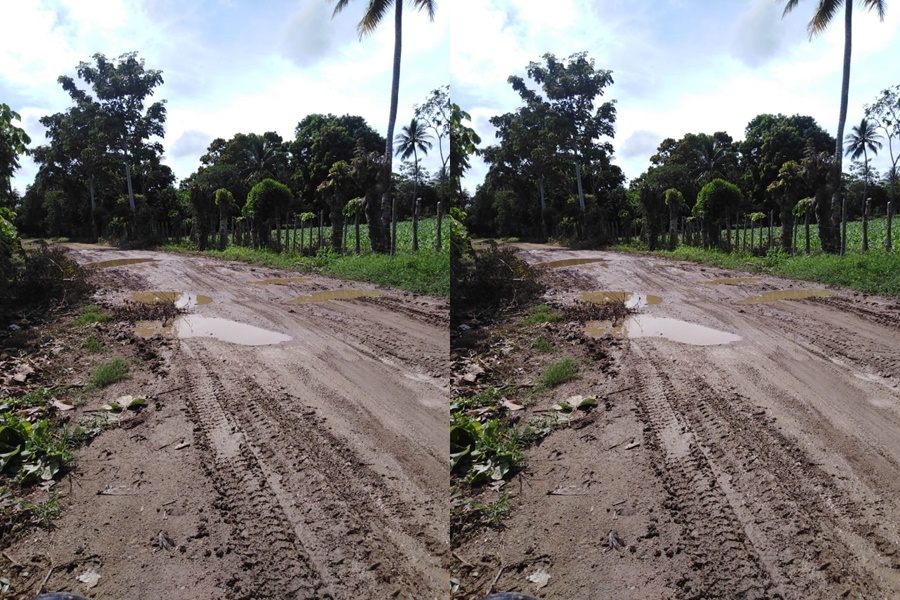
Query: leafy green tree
[[699, 159], [374, 13], [885, 114], [322, 140], [570, 89], [13, 143], [411, 140], [226, 205], [463, 144], [121, 87], [824, 13], [716, 200], [435, 112], [266, 201], [861, 140], [675, 202]]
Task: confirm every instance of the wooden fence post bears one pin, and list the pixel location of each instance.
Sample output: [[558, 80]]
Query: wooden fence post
[[843, 224], [356, 226], [321, 226], [890, 217], [865, 233], [415, 240], [806, 227], [437, 243], [393, 225]]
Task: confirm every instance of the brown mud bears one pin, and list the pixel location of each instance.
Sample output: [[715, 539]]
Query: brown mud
[[768, 467], [311, 468]]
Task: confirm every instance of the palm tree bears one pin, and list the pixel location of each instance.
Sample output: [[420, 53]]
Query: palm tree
[[862, 140], [825, 12], [412, 139], [375, 12]]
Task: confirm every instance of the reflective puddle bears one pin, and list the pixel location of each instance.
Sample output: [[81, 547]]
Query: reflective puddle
[[729, 280], [335, 295], [639, 326], [571, 262], [181, 299], [631, 299], [785, 295], [226, 330], [119, 262], [278, 281]]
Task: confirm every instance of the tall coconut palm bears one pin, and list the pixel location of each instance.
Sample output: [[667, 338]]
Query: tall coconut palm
[[375, 12], [861, 140], [413, 139], [825, 12]]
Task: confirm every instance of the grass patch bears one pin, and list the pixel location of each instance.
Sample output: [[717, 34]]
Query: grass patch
[[542, 314], [873, 272], [542, 344], [109, 372], [559, 373], [92, 344], [92, 314]]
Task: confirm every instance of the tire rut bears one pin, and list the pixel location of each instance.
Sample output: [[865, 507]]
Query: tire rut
[[347, 526]]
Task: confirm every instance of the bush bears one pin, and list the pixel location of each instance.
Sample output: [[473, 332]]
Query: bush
[[42, 277]]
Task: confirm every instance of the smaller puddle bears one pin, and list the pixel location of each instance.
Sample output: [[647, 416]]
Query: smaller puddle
[[570, 262], [631, 299], [335, 295], [785, 295], [181, 299], [278, 281], [119, 262], [729, 280], [639, 326], [189, 326]]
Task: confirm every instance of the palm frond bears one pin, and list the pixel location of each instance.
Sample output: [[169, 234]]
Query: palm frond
[[825, 12], [373, 15], [789, 6], [880, 6], [430, 6]]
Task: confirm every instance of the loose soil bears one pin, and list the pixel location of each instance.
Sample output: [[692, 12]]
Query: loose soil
[[310, 468], [767, 467]]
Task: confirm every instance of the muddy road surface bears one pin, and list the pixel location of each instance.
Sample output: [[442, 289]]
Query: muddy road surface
[[761, 452], [296, 450]]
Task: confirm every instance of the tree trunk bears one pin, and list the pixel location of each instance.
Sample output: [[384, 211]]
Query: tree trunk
[[787, 225], [128, 177], [843, 225], [93, 209], [392, 120], [836, 200], [337, 223], [580, 189], [543, 211], [321, 226]]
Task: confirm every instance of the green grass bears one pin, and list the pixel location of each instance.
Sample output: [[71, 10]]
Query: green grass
[[542, 314], [92, 314], [542, 344], [424, 272], [559, 373], [92, 344], [109, 372], [873, 272]]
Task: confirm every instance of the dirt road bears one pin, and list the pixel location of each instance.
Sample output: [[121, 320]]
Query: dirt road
[[767, 467], [309, 468]]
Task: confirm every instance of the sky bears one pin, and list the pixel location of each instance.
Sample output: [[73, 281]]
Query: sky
[[229, 66], [679, 66]]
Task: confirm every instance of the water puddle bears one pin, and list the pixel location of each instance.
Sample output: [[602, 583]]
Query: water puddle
[[729, 280], [226, 330], [631, 299], [571, 262], [785, 295], [278, 281], [181, 299], [119, 262], [639, 326], [335, 295]]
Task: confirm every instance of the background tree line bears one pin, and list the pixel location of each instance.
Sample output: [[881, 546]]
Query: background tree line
[[550, 175]]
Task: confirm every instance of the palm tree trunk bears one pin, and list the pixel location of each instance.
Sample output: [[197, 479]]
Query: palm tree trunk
[[842, 118], [392, 117]]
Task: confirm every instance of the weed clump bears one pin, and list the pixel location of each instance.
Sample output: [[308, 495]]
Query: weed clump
[[542, 314], [109, 373], [92, 314], [559, 372]]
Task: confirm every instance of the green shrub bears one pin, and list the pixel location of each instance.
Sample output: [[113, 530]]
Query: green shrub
[[92, 344], [92, 314], [542, 314], [542, 344]]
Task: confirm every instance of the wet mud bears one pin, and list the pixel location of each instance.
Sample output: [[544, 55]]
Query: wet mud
[[334, 295]]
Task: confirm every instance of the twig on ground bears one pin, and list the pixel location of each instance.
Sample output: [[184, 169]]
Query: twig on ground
[[12, 560], [455, 555], [496, 579], [46, 578]]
